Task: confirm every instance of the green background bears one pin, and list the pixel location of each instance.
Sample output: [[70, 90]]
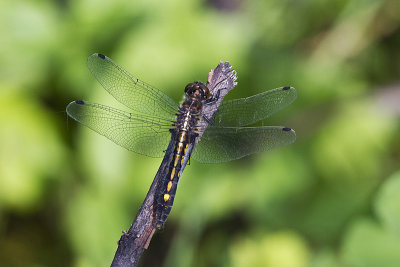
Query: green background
[[330, 199]]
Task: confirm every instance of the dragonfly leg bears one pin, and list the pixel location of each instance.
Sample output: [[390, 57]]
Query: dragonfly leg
[[214, 98], [207, 120]]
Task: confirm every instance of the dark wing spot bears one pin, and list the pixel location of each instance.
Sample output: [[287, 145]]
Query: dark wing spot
[[101, 56], [286, 129], [80, 102], [286, 88]]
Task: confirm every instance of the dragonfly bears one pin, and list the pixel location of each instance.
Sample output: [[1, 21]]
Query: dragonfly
[[157, 126]]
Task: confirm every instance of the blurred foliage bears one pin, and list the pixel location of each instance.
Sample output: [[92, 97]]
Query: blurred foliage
[[330, 199]]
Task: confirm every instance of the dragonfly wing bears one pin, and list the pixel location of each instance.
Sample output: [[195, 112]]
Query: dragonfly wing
[[221, 144], [249, 110], [139, 133], [129, 90]]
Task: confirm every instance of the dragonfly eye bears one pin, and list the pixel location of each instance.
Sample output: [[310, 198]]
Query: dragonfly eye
[[205, 92], [189, 87]]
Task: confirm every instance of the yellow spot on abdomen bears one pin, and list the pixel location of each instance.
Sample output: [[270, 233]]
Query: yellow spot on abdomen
[[166, 197], [172, 174], [184, 153], [169, 186], [176, 161], [179, 148]]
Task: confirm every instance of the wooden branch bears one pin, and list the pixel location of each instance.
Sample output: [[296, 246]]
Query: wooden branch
[[132, 243]]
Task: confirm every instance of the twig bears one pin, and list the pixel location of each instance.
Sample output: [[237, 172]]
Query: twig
[[132, 243]]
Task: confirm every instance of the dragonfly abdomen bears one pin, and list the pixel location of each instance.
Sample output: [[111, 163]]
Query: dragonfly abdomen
[[166, 195], [185, 129]]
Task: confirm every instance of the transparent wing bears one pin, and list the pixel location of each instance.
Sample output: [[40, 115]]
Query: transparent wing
[[220, 144], [249, 110], [142, 134], [129, 90]]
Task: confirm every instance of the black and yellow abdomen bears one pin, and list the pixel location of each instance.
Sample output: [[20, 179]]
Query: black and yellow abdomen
[[168, 187], [185, 133]]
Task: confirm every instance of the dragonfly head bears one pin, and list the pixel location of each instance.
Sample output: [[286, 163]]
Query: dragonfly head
[[197, 90]]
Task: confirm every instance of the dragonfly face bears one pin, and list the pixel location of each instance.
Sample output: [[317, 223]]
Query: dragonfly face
[[197, 90], [155, 122]]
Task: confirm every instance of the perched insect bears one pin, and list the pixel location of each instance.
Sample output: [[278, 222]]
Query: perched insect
[[158, 126]]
